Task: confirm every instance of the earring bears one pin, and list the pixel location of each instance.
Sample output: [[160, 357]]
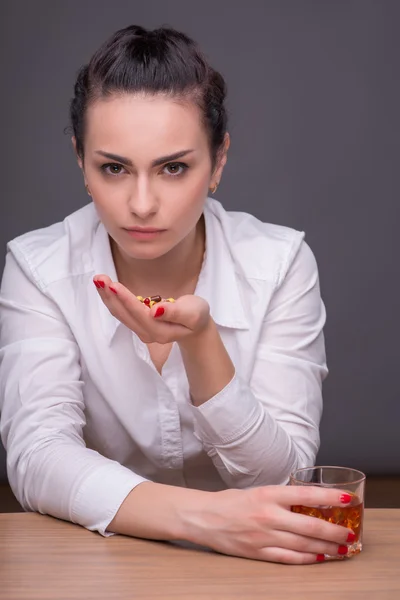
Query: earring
[[87, 189], [214, 189]]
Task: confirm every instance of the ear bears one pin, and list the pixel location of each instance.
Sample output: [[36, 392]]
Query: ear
[[78, 158], [222, 160]]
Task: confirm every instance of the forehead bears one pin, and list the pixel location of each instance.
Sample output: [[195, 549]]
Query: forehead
[[151, 125]]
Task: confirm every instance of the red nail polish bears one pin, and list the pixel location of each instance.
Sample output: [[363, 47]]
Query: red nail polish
[[345, 498], [96, 283], [112, 289], [101, 284], [342, 550], [159, 312], [351, 538], [320, 557]]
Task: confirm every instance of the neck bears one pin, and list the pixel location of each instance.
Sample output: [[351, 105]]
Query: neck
[[171, 275]]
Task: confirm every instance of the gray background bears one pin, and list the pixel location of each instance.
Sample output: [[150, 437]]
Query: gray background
[[314, 97]]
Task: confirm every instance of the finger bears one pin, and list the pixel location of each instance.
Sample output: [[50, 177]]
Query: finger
[[313, 527], [125, 297], [109, 293], [288, 557], [312, 495], [301, 543], [105, 287], [101, 281], [166, 312], [188, 311], [160, 313]]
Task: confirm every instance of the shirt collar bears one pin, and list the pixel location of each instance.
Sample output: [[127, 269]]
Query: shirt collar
[[217, 283], [103, 264]]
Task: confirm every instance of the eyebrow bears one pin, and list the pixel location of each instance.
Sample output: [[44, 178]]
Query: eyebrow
[[159, 161]]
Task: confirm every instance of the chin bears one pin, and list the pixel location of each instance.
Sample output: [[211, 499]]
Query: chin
[[145, 251], [145, 255]]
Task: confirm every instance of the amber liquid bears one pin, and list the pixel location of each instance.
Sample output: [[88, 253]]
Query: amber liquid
[[350, 516]]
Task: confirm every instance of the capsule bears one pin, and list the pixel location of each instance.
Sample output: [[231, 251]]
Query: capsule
[[140, 298], [170, 300], [152, 303], [155, 299], [146, 301]]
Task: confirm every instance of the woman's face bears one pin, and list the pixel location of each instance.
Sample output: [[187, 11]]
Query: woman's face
[[147, 165]]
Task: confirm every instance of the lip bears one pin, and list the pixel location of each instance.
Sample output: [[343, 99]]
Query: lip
[[144, 233]]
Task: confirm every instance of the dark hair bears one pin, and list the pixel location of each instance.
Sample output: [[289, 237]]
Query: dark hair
[[161, 61]]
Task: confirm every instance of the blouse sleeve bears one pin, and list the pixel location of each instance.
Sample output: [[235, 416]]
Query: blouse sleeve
[[257, 433], [43, 414]]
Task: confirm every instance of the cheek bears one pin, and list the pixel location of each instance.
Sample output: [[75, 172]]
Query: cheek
[[107, 198], [108, 209], [201, 186], [196, 188], [187, 204]]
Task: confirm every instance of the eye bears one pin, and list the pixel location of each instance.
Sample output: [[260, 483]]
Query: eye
[[175, 169], [112, 168]]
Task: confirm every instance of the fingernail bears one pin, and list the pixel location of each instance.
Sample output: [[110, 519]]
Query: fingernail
[[320, 557], [101, 284], [110, 287], [345, 498], [159, 312], [96, 283], [351, 538], [342, 550]]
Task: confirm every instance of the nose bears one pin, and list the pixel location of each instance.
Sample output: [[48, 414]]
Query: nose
[[142, 201]]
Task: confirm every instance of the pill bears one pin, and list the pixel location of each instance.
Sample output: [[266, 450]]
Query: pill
[[146, 301], [170, 300], [152, 303], [140, 298], [156, 298]]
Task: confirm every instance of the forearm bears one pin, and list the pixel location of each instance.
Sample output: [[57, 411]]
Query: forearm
[[240, 423], [161, 512], [247, 445], [264, 455], [247, 442], [207, 363]]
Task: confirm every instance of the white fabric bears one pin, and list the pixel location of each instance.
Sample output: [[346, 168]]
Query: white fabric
[[85, 414]]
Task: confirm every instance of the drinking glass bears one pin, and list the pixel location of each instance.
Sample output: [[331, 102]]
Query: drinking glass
[[350, 516]]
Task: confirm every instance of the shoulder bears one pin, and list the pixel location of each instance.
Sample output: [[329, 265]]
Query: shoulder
[[58, 251], [262, 251]]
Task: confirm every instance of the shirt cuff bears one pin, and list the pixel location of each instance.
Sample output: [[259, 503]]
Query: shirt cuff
[[228, 415], [101, 496]]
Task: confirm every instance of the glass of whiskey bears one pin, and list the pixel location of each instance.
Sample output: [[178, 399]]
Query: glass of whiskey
[[351, 516]]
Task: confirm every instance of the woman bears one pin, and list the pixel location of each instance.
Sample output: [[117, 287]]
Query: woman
[[128, 412]]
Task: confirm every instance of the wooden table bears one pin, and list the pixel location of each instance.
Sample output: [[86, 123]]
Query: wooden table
[[46, 559]]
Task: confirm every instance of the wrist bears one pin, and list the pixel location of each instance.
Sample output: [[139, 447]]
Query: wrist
[[200, 337], [207, 363], [194, 517]]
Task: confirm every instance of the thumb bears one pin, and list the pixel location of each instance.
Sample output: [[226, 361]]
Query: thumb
[[190, 311], [166, 311]]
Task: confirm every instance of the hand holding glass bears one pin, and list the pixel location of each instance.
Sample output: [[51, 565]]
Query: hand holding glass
[[350, 516]]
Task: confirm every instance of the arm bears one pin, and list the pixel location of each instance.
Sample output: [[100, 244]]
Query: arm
[[42, 412], [207, 363], [255, 523], [257, 434]]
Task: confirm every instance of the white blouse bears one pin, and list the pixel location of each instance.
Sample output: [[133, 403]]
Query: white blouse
[[85, 416]]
